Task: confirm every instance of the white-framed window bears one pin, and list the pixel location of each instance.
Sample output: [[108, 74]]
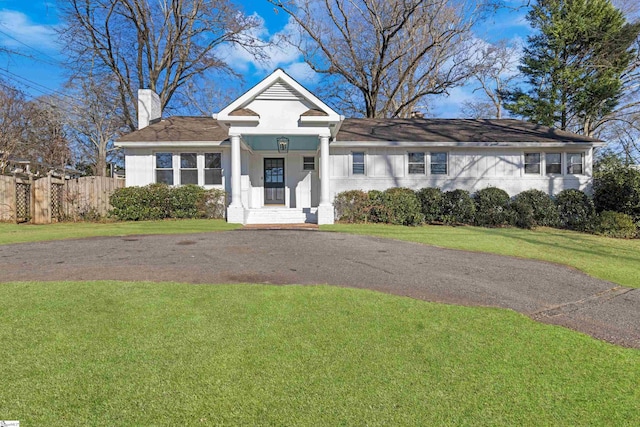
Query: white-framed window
[[417, 163], [164, 168], [575, 163], [212, 168], [308, 163], [358, 165], [188, 168], [439, 163], [553, 163], [532, 163]]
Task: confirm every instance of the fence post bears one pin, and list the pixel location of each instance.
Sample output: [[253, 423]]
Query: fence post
[[48, 198], [15, 199], [32, 199]]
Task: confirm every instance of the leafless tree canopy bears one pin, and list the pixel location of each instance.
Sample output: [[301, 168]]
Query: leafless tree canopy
[[497, 67], [12, 122], [160, 45], [95, 120], [393, 52]]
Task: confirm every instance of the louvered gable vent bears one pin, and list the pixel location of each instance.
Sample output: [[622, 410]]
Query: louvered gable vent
[[280, 90]]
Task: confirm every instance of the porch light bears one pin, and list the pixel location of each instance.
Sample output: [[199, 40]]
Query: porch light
[[283, 144]]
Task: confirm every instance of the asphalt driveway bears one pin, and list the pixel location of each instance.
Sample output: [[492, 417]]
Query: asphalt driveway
[[546, 292]]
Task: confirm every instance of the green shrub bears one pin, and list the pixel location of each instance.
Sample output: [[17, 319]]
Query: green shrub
[[492, 207], [523, 213], [431, 203], [543, 210], [615, 224], [378, 212], [457, 207], [575, 210], [616, 187], [352, 206], [159, 201], [212, 204], [401, 206], [183, 201]]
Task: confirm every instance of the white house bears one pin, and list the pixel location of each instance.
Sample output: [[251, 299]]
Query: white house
[[283, 154]]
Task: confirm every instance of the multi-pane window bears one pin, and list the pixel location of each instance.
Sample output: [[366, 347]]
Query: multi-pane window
[[212, 169], [439, 164], [532, 163], [574, 163], [416, 163], [188, 168], [308, 163], [553, 163], [358, 163], [164, 168]]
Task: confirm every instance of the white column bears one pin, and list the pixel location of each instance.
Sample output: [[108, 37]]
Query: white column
[[325, 209], [324, 170], [236, 171], [235, 211]]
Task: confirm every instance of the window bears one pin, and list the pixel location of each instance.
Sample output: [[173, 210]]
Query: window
[[308, 163], [532, 163], [574, 163], [554, 163], [164, 168], [188, 168], [212, 169], [439, 164], [416, 164], [358, 163]]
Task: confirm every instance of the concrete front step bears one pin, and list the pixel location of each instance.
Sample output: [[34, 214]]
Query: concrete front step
[[281, 216]]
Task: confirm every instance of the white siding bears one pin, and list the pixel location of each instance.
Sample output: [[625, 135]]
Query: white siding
[[469, 169]]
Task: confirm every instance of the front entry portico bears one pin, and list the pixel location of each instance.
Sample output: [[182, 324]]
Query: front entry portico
[[265, 173]]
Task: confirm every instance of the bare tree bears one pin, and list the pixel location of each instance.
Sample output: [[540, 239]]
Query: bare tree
[[394, 53], [496, 69], [160, 45], [95, 120], [45, 141], [12, 109]]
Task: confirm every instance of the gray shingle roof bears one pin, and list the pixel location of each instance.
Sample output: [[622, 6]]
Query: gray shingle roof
[[453, 130], [179, 128]]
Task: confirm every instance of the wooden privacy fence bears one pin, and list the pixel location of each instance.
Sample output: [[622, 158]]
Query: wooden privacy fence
[[51, 199]]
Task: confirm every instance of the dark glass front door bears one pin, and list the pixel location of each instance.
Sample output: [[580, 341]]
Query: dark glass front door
[[274, 181]]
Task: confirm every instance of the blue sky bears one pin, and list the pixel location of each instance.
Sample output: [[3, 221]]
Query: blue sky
[[28, 27]]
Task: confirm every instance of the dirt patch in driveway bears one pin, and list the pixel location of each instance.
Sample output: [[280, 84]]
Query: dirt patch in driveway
[[546, 292]]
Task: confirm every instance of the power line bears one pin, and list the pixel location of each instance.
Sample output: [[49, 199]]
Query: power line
[[55, 61]]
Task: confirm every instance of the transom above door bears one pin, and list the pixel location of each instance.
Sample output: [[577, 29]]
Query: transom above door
[[274, 181]]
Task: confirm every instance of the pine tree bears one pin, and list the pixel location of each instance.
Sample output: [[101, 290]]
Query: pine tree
[[573, 63]]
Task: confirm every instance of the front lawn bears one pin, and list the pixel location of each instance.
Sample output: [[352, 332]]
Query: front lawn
[[615, 260], [113, 353], [12, 233]]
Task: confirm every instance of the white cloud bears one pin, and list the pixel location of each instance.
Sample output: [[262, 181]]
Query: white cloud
[[278, 54], [451, 106], [20, 29]]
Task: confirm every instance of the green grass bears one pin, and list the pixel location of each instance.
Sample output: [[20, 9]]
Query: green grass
[[12, 233], [113, 353], [615, 260]]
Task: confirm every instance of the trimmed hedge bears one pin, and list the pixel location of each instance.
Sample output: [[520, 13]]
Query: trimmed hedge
[[492, 207], [616, 224], [352, 206], [489, 207], [431, 202], [159, 201], [402, 207], [575, 209], [541, 209], [457, 207]]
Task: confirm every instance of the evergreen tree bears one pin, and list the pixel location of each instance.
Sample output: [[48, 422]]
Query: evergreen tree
[[573, 63]]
